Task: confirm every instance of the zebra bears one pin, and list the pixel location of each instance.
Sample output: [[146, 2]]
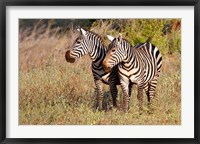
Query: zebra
[[92, 44], [139, 65]]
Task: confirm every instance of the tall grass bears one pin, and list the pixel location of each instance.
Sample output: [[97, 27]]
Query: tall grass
[[52, 91]]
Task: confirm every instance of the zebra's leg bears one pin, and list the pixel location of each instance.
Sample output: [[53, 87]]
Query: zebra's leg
[[140, 97], [130, 89], [130, 86], [125, 84], [99, 86], [147, 88], [151, 93], [114, 92]]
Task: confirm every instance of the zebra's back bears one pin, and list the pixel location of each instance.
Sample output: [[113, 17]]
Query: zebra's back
[[151, 57]]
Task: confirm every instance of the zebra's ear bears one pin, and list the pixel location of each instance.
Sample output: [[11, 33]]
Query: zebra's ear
[[78, 28], [119, 38], [110, 38], [83, 32]]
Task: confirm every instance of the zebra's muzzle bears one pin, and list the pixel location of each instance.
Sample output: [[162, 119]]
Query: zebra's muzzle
[[106, 68], [69, 58]]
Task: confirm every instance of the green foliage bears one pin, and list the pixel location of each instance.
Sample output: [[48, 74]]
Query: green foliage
[[139, 30]]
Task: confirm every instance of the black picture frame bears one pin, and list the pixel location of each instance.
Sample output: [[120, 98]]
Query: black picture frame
[[5, 3]]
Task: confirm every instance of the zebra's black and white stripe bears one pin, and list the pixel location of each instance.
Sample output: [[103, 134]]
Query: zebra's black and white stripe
[[137, 65], [92, 44]]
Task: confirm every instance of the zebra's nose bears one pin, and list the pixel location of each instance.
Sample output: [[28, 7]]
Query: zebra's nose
[[106, 67], [68, 57]]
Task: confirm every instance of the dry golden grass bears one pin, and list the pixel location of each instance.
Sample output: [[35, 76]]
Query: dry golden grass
[[54, 92]]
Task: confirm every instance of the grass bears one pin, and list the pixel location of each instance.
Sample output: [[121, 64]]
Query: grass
[[54, 92], [64, 94]]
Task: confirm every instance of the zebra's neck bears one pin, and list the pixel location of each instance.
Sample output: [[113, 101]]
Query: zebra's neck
[[97, 50], [97, 67], [130, 56], [97, 55]]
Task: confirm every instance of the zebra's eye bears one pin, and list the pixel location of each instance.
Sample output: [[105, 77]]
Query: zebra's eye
[[78, 42], [113, 50]]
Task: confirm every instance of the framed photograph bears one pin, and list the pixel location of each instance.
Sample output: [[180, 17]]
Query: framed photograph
[[99, 71]]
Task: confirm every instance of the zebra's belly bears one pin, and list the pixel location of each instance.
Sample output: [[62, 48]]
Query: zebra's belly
[[146, 77]]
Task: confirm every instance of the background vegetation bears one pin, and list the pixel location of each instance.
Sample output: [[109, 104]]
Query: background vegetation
[[52, 91]]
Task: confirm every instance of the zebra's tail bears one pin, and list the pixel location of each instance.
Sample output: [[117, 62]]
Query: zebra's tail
[[156, 54], [158, 57]]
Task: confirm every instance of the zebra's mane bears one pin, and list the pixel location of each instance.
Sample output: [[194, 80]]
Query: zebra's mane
[[123, 41], [126, 41], [99, 37], [114, 42], [137, 45]]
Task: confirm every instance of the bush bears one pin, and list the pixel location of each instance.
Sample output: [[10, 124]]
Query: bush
[[139, 30]]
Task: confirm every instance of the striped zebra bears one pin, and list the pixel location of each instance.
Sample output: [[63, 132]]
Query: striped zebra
[[92, 44], [137, 65]]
